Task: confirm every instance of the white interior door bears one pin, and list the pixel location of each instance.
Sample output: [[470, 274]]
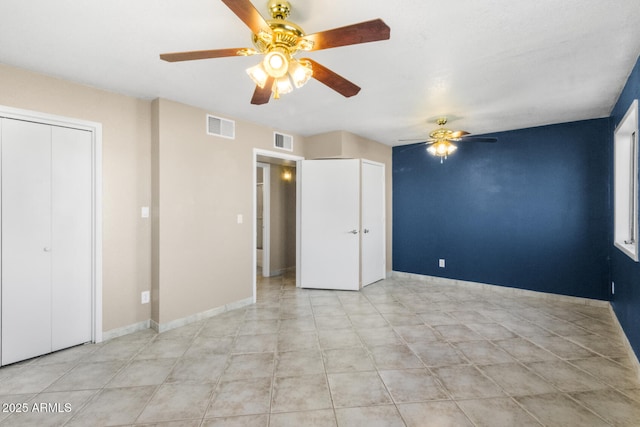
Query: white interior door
[[71, 268], [373, 223], [26, 240], [330, 224]]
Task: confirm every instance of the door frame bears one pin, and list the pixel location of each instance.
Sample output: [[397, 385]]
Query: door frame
[[384, 218], [266, 218], [276, 155], [95, 129]]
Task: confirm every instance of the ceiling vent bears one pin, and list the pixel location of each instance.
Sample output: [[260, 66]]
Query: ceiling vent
[[221, 127], [282, 141]]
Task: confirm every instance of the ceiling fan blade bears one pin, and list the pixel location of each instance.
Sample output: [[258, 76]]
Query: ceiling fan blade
[[416, 145], [262, 95], [199, 54], [459, 133], [364, 32], [417, 140], [479, 139], [248, 14], [332, 80]]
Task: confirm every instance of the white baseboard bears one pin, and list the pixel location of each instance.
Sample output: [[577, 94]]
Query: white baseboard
[[501, 289], [163, 327], [125, 330]]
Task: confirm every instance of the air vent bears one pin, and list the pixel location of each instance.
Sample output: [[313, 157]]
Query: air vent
[[221, 127], [282, 141]]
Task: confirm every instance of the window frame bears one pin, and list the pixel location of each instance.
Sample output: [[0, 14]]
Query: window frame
[[625, 174]]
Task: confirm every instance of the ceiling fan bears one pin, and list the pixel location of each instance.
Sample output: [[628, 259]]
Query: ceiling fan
[[279, 41], [441, 140]]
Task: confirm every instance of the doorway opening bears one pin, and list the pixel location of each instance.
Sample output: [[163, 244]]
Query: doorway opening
[[275, 220]]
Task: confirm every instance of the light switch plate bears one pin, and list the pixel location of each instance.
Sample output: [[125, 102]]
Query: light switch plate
[[144, 212]]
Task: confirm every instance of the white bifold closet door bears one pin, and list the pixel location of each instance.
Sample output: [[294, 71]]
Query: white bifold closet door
[[46, 238]]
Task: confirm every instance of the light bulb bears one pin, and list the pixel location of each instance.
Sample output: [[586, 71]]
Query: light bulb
[[300, 72], [276, 62], [283, 85], [258, 75]]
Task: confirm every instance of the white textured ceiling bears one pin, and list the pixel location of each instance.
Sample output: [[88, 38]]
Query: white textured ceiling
[[490, 65]]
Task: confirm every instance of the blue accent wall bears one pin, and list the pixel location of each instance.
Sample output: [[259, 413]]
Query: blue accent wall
[[531, 211], [624, 271]]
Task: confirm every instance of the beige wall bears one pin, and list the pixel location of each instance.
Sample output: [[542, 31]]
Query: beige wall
[[341, 144], [205, 259], [126, 130]]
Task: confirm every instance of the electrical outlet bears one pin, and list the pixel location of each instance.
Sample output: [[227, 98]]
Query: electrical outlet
[[441, 263], [613, 288], [145, 297]]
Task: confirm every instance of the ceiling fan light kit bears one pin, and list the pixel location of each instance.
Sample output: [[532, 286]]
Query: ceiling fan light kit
[[279, 41], [440, 142]]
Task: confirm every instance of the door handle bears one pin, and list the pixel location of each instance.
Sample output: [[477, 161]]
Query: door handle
[[366, 230], [354, 232], [47, 249]]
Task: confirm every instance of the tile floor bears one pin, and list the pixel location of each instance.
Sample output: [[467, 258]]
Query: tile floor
[[399, 353]]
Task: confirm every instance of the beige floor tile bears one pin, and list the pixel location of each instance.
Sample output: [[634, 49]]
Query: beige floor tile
[[166, 348], [32, 379], [241, 421], [347, 360], [525, 351], [339, 339], [291, 341], [305, 393], [433, 414], [558, 410], [143, 372], [372, 416], [611, 405], [516, 380], [202, 370], [483, 352], [561, 347], [357, 389], [394, 357], [86, 376], [608, 372], [412, 385], [261, 343], [435, 354], [251, 365], [296, 363], [379, 336], [114, 406], [177, 402], [491, 331], [367, 321], [457, 333], [566, 377], [416, 333], [319, 418], [467, 382], [497, 412], [209, 346], [437, 318], [332, 323], [241, 397]]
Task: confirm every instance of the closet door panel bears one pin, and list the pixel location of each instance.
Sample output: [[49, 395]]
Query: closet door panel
[[26, 240], [71, 237]]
